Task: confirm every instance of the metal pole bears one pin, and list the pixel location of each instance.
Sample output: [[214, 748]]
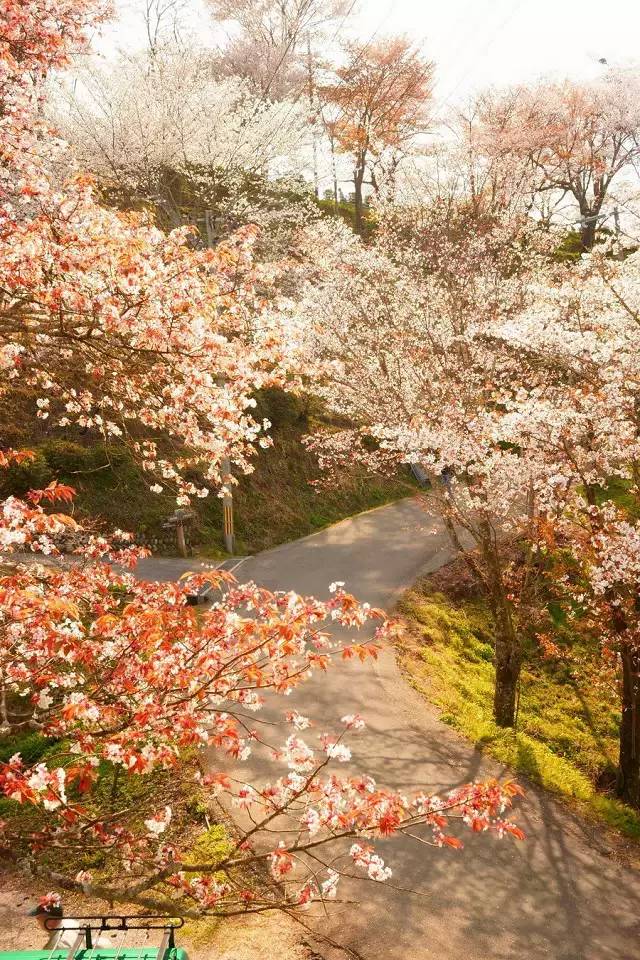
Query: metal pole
[[225, 463], [227, 508]]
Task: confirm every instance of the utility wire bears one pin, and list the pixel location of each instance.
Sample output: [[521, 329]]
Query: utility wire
[[483, 49], [468, 33]]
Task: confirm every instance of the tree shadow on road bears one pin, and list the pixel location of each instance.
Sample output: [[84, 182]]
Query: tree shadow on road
[[549, 896]]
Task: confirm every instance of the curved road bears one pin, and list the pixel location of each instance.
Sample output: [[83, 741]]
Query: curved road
[[559, 895]]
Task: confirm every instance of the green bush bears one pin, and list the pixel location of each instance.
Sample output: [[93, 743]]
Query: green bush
[[66, 457], [31, 747], [19, 478], [570, 249], [280, 408], [346, 210]]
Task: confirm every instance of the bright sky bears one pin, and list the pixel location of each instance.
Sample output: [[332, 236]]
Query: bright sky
[[474, 43], [479, 43]]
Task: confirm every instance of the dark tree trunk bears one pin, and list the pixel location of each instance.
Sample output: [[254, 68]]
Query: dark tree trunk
[[358, 180], [628, 786], [334, 177], [508, 662], [589, 217], [508, 650], [588, 233]]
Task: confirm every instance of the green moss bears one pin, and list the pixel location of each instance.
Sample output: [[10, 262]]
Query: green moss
[[567, 729], [570, 249], [211, 846]]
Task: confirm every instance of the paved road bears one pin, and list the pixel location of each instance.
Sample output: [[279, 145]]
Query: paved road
[[559, 895]]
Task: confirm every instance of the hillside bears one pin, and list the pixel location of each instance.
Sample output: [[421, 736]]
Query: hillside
[[275, 503]]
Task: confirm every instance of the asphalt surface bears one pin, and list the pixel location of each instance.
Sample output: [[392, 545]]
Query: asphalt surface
[[560, 894]]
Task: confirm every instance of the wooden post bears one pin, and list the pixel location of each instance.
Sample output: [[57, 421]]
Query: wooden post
[[178, 520], [180, 537]]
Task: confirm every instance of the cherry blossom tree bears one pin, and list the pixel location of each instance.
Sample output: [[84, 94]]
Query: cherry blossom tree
[[130, 681], [272, 49], [576, 416], [577, 139], [515, 379], [379, 100], [402, 331], [482, 170], [151, 119], [115, 325]]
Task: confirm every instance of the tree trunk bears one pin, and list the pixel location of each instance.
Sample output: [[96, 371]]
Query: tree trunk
[[589, 219], [358, 180], [588, 233], [181, 539], [508, 663], [508, 651], [628, 786], [334, 176]]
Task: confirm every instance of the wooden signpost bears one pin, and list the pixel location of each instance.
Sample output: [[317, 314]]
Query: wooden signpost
[[178, 520]]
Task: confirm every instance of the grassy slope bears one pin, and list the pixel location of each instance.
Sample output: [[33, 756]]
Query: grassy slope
[[566, 736], [277, 502], [274, 504]]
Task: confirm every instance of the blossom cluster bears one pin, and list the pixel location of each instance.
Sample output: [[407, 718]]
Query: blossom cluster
[[127, 675], [111, 324]]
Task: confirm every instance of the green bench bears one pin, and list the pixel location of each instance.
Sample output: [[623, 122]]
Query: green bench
[[85, 944], [97, 953]]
